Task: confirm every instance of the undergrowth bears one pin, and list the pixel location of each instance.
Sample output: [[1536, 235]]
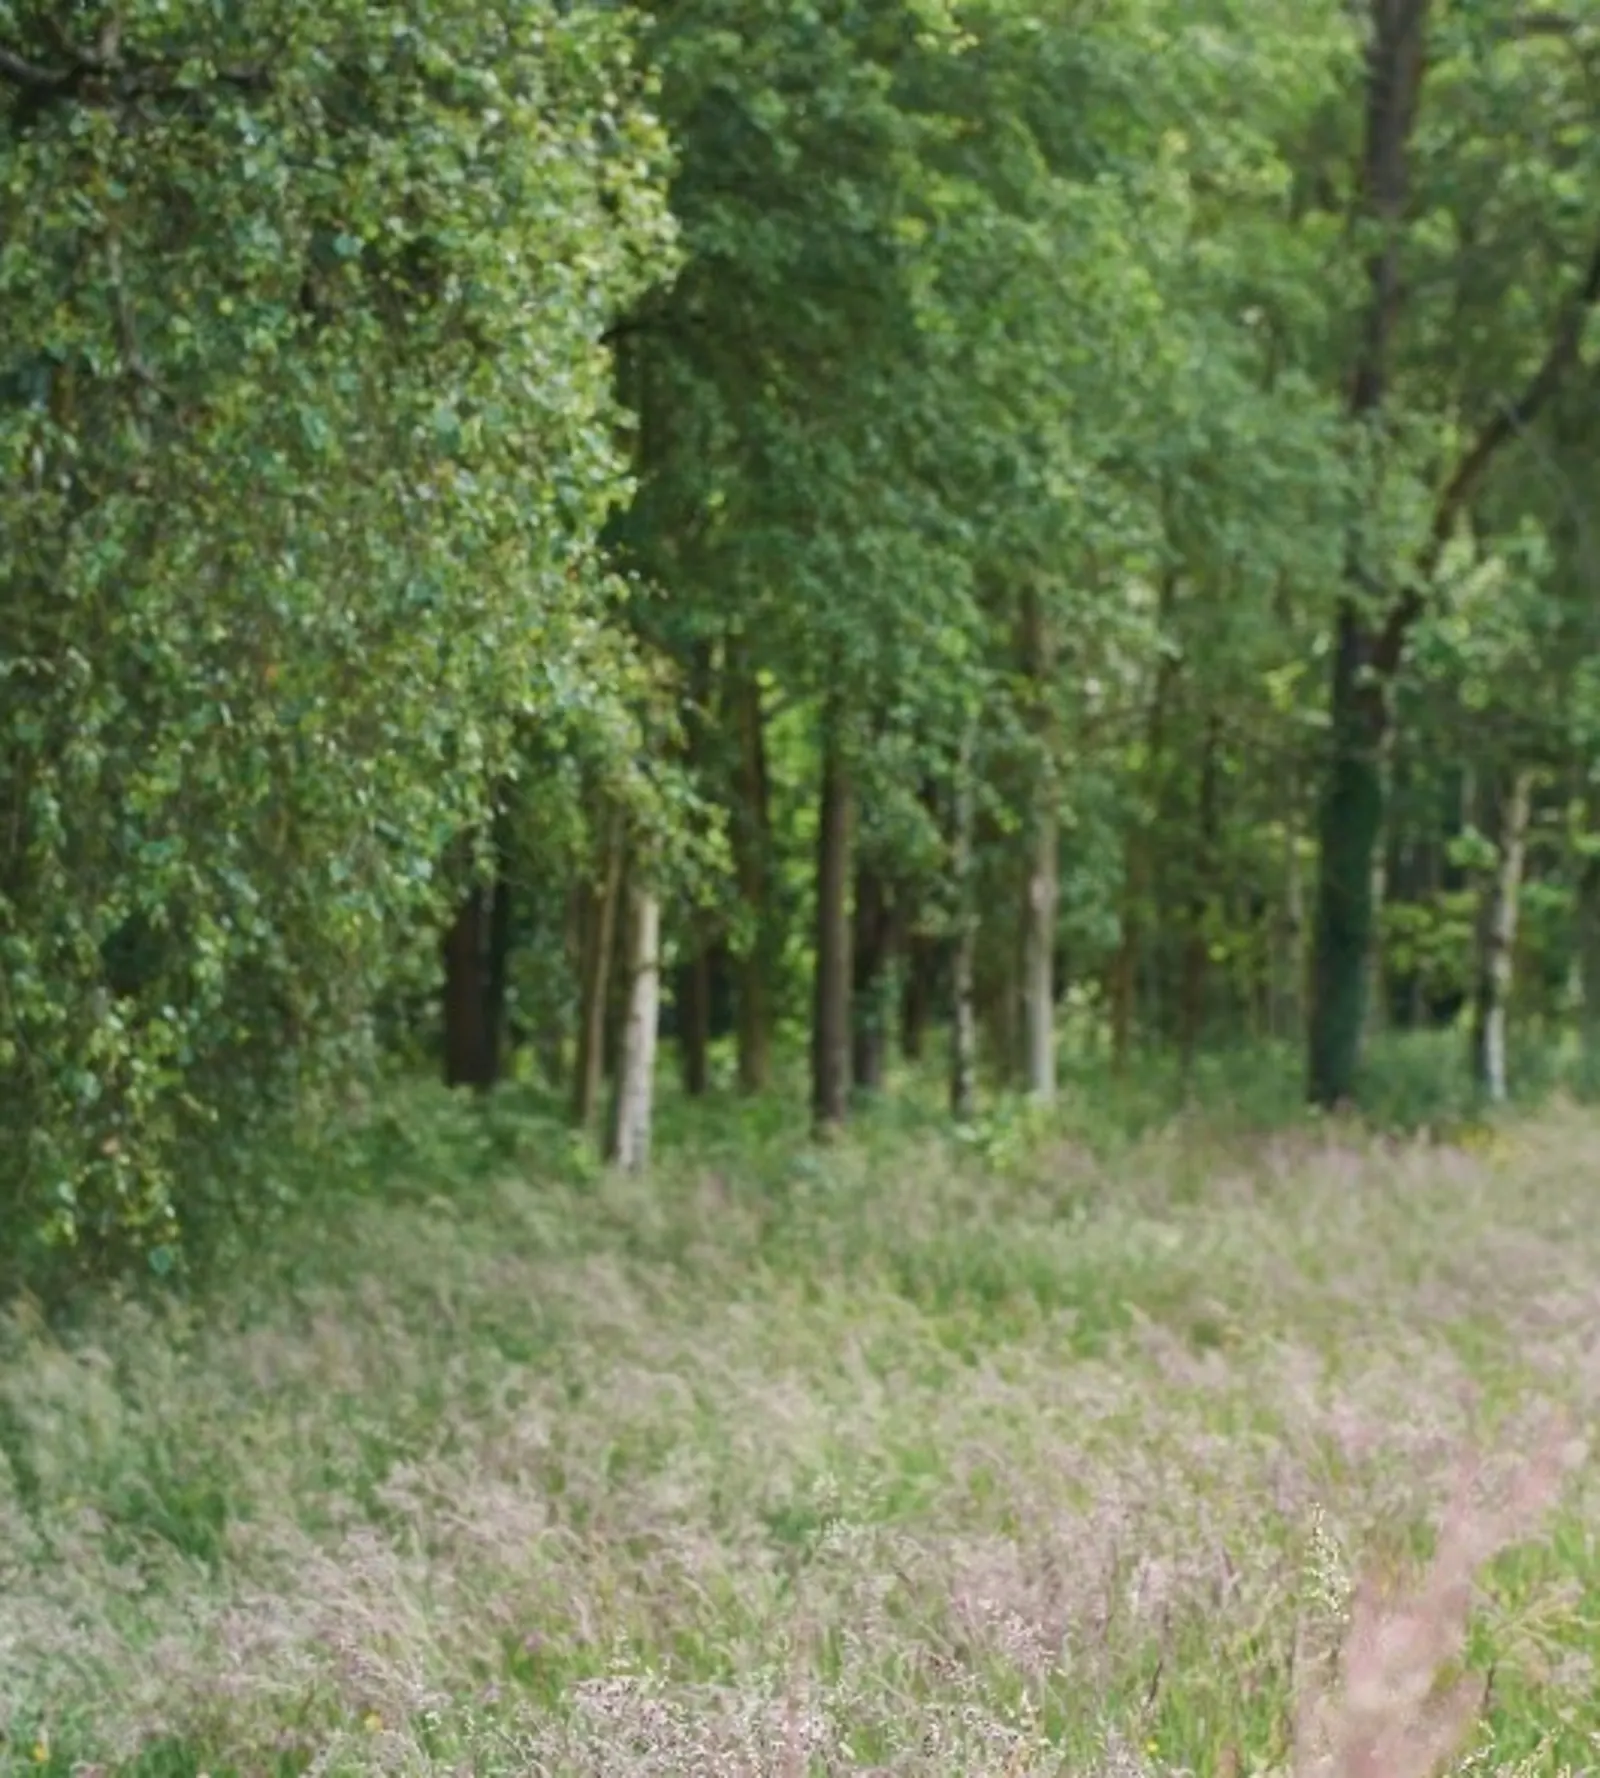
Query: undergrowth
[[1023, 1449]]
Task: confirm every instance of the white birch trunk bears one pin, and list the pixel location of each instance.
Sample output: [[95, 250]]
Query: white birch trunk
[[1498, 939], [1038, 964], [637, 1073], [964, 1025]]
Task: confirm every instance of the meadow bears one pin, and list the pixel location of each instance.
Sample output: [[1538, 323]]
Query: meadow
[[1018, 1454]]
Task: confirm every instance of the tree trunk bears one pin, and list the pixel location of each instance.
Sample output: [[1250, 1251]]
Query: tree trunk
[[1497, 938], [998, 995], [1197, 944], [694, 1014], [830, 1037], [497, 961], [1349, 823], [552, 1028], [1122, 986], [1373, 1016], [1136, 872], [751, 840], [1364, 661], [1289, 962], [598, 927], [916, 997], [870, 958], [630, 1138], [470, 1058], [964, 1021], [1588, 949], [1039, 929]]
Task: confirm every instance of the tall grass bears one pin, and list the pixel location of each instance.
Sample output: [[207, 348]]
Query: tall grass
[[1000, 1453]]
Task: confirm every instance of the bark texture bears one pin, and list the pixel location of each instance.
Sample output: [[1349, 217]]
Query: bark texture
[[635, 1100], [1497, 940], [830, 1045]]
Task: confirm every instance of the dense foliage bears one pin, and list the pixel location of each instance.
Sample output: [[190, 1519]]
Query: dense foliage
[[992, 516]]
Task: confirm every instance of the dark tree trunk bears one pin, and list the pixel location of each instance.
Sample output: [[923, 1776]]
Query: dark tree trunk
[[598, 922], [1366, 656], [469, 1049], [618, 983], [1137, 875], [1196, 947], [1350, 818], [1348, 825], [694, 1015], [830, 1045], [870, 960], [963, 1011], [1587, 922], [476, 955], [917, 995], [1122, 978], [752, 864]]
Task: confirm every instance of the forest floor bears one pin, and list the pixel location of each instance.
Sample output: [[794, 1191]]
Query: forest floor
[[893, 1457]]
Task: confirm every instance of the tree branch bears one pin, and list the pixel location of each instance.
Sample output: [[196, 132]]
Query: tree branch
[[1508, 421], [34, 77], [104, 67]]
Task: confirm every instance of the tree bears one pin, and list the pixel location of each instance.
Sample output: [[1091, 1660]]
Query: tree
[[304, 452]]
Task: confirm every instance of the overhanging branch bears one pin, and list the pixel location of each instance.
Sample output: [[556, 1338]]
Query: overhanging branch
[[104, 74], [1509, 420], [34, 77]]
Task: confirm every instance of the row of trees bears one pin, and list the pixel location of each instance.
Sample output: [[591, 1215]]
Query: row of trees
[[857, 515]]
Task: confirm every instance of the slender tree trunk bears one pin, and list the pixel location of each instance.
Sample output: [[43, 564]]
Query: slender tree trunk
[[752, 853], [616, 1003], [694, 1014], [1136, 872], [870, 958], [1122, 988], [694, 971], [1497, 939], [553, 1021], [916, 996], [635, 1099], [1197, 947], [599, 921], [830, 1046], [1289, 964], [1122, 980], [497, 962], [1586, 945], [1588, 958], [998, 997], [964, 1021], [469, 1048], [1258, 909], [1038, 966], [1039, 929], [1374, 1016]]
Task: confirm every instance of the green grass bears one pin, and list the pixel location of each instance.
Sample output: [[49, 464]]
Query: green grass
[[997, 1451]]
